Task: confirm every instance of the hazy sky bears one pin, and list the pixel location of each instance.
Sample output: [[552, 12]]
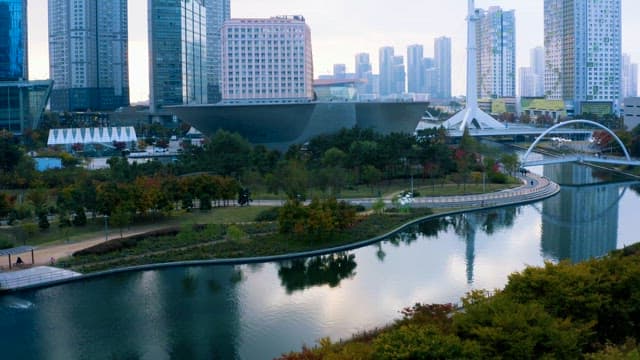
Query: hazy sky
[[342, 28]]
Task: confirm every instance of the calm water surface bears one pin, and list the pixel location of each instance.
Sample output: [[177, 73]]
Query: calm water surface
[[260, 311]]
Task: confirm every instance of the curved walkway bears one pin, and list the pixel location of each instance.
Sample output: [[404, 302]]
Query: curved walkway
[[534, 188]]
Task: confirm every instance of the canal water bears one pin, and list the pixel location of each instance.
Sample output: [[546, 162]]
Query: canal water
[[260, 311]]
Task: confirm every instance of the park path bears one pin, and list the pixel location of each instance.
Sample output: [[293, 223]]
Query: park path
[[534, 188]]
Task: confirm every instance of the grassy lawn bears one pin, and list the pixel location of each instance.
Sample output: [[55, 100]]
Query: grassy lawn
[[426, 187], [214, 242], [95, 228]]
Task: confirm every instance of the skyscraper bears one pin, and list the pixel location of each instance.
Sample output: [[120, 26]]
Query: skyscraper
[[88, 54], [363, 73], [532, 78], [218, 11], [583, 51], [13, 40], [496, 53], [267, 59], [527, 82], [21, 102], [442, 57], [339, 71], [629, 77], [177, 53], [537, 67], [415, 70], [386, 70], [398, 85]]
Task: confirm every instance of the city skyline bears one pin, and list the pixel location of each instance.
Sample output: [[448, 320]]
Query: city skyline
[[339, 30]]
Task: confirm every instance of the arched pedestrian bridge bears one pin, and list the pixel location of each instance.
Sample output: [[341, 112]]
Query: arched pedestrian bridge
[[583, 157]]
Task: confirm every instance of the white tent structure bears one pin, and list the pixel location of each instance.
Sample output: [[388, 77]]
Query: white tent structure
[[101, 135], [471, 114]]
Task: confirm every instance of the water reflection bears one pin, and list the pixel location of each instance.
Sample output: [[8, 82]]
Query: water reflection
[[300, 274], [581, 222], [262, 310]]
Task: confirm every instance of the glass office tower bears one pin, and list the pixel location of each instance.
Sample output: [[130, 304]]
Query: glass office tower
[[13, 40], [177, 53], [21, 102]]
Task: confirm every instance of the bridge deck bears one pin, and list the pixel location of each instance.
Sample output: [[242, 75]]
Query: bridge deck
[[518, 130], [582, 158]]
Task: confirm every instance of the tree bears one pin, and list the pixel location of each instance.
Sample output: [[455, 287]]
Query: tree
[[10, 153], [510, 162], [120, 218]]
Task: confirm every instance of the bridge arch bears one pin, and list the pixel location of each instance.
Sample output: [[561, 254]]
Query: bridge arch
[[549, 130]]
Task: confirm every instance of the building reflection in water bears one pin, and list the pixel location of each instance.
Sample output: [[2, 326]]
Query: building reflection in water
[[581, 222], [467, 225]]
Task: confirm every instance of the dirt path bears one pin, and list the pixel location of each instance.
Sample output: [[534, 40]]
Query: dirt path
[[43, 255]]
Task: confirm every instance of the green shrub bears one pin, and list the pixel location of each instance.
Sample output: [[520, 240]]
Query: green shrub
[[270, 214]]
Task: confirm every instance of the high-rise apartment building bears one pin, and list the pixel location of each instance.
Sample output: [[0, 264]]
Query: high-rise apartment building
[[364, 74], [265, 60], [218, 11], [177, 53], [583, 51], [532, 78], [629, 77], [442, 57], [13, 40], [527, 82], [339, 71], [415, 70], [399, 75], [496, 53], [88, 54], [385, 64]]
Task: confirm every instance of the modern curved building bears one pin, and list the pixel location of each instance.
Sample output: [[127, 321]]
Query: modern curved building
[[280, 125]]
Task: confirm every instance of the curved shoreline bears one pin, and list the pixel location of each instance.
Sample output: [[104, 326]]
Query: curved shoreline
[[518, 197]]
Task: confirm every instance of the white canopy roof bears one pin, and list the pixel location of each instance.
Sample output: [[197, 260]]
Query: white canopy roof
[[91, 135]]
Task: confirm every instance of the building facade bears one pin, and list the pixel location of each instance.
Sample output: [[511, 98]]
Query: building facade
[[583, 53], [399, 75], [442, 58], [88, 54], [537, 66], [21, 101], [496, 53], [415, 70], [13, 40], [385, 63], [218, 11], [265, 60], [364, 73], [527, 82], [629, 77], [177, 53]]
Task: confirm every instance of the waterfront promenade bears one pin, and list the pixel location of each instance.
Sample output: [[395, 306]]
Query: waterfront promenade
[[533, 188]]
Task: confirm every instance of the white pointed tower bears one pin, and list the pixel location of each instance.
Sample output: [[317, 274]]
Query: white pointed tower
[[471, 114]]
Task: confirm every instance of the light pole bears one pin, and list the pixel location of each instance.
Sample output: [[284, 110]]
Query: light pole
[[106, 228]]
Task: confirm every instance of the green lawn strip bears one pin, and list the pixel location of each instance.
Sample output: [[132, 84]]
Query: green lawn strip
[[95, 227], [262, 240], [56, 235]]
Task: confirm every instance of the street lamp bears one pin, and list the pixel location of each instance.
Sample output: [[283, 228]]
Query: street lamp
[[106, 227]]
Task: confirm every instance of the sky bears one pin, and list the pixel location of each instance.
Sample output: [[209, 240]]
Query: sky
[[342, 28]]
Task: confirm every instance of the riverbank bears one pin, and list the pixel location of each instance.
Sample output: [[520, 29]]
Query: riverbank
[[557, 311], [258, 244]]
